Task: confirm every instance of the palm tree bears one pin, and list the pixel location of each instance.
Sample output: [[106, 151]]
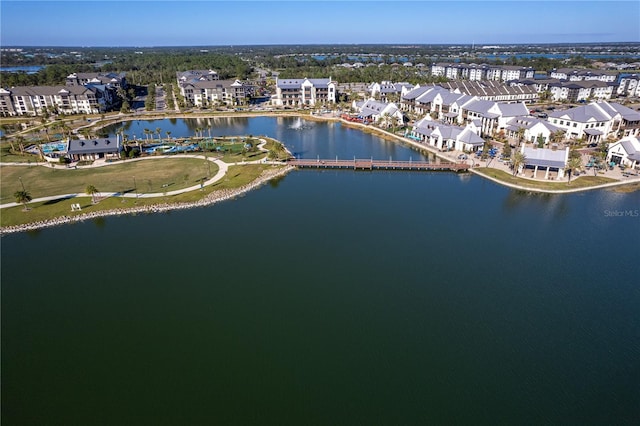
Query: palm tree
[[92, 190], [557, 136], [158, 131], [574, 164], [519, 159], [520, 135], [22, 197], [168, 132], [146, 133]]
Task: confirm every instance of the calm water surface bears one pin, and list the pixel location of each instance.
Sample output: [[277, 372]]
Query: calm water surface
[[331, 297]]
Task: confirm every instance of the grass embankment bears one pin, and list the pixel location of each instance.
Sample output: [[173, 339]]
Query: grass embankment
[[577, 183], [236, 177], [159, 174]]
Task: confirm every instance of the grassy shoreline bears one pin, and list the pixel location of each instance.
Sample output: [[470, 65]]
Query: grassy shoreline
[[50, 210], [242, 178]]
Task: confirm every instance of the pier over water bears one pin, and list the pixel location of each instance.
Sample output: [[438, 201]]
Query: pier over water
[[369, 164]]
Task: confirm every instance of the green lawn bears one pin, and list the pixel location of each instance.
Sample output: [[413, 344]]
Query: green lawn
[[150, 176], [581, 182], [236, 177], [6, 156]]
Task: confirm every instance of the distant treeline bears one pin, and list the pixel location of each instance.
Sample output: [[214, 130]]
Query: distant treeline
[[141, 69], [159, 65]]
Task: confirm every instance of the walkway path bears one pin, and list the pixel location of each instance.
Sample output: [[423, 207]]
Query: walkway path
[[222, 171]]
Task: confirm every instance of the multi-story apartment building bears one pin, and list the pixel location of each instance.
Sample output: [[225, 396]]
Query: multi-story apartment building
[[201, 93], [83, 93], [305, 92], [494, 90], [34, 100], [629, 86], [573, 74], [576, 91], [477, 72]]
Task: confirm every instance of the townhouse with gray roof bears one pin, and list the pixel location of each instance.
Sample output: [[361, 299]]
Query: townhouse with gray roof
[[192, 76], [626, 152], [115, 80], [596, 121], [445, 137], [386, 114], [534, 129], [298, 92], [388, 89]]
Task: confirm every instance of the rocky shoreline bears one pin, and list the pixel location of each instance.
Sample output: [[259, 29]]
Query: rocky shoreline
[[214, 197]]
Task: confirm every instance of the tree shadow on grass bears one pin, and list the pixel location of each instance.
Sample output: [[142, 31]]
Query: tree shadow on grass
[[56, 201]]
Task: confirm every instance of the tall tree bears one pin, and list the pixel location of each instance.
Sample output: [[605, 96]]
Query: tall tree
[[518, 159], [22, 197], [92, 190], [574, 164]]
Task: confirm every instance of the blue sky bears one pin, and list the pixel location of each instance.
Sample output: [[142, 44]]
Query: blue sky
[[207, 23]]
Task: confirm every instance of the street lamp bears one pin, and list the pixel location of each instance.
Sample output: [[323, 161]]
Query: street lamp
[[135, 187]]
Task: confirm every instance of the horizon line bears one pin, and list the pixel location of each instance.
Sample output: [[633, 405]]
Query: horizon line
[[472, 43]]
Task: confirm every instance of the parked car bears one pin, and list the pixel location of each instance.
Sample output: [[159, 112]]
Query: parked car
[[462, 157]]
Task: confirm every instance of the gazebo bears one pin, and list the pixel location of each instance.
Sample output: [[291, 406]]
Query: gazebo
[[547, 159]]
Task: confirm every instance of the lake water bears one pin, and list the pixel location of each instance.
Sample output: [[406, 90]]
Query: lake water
[[28, 69], [331, 297]]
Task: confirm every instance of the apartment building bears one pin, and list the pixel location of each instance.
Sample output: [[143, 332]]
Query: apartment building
[[576, 91], [574, 74], [200, 93], [494, 90], [475, 72], [629, 86], [305, 92], [35, 100]]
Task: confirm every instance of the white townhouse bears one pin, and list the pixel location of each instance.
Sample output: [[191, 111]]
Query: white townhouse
[[419, 99], [387, 89], [534, 128], [626, 151], [379, 112], [305, 92], [445, 137], [494, 116], [596, 121]]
